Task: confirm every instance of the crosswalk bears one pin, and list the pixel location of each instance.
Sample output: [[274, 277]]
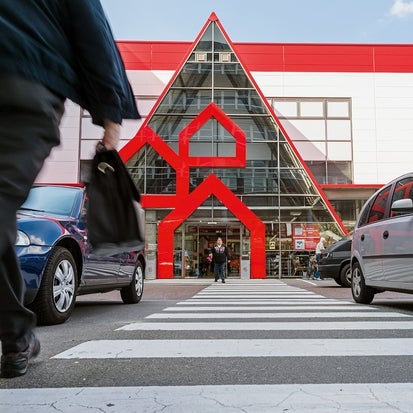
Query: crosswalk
[[264, 320]]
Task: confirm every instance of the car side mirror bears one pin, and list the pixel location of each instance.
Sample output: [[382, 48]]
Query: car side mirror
[[402, 206]]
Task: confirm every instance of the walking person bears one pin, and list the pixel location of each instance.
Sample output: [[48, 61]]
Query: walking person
[[220, 258], [49, 51]]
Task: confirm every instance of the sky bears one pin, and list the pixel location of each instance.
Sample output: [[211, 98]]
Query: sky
[[273, 21]]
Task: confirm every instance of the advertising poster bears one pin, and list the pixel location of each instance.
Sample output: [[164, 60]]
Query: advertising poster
[[305, 236]]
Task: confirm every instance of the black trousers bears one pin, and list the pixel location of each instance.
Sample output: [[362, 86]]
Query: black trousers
[[30, 115]]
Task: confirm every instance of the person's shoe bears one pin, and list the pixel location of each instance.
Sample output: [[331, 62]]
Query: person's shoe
[[15, 364], [223, 281], [216, 280]]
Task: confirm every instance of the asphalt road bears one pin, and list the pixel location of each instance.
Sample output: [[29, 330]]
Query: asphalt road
[[193, 333]]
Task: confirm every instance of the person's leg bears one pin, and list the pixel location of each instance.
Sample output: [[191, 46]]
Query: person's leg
[[222, 271], [317, 275], [29, 128], [216, 271]]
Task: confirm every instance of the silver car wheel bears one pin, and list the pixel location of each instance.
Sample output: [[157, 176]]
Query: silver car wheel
[[356, 282], [63, 286], [139, 280], [132, 293]]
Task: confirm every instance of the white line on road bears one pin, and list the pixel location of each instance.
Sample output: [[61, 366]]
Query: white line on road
[[304, 307], [283, 301], [323, 314], [120, 349], [303, 398], [276, 326], [255, 296], [263, 293]]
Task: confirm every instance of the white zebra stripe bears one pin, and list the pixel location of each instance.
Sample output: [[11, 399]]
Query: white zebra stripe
[[268, 326], [191, 302], [323, 314], [118, 349], [255, 296], [304, 307], [264, 398]]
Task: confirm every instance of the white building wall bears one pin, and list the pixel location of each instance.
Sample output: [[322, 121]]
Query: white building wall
[[382, 119], [382, 115], [62, 166]]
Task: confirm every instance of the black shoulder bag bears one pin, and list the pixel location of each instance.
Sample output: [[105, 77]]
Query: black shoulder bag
[[115, 218]]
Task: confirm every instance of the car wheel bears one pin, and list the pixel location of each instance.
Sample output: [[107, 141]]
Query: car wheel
[[56, 297], [132, 294], [345, 276], [338, 281], [361, 293]]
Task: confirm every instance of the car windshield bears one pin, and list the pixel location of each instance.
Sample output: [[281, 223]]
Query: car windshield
[[53, 200]]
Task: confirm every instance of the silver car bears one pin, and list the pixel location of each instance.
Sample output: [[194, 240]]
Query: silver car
[[382, 247]]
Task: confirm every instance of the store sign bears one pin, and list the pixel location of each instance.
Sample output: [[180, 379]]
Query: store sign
[[305, 236]]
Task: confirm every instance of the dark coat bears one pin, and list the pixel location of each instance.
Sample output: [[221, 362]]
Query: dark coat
[[219, 254], [68, 46]]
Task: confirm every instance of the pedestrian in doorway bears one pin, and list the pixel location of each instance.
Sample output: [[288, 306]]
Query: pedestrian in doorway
[[319, 249], [220, 258], [50, 50]]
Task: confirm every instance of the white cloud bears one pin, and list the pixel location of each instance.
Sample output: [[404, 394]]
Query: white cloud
[[402, 8]]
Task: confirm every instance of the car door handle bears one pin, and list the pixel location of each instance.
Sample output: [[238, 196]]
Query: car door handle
[[362, 237], [386, 234]]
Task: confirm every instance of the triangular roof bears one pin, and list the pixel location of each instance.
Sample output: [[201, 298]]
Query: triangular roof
[[211, 100]]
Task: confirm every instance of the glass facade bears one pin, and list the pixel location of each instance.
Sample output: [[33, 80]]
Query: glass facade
[[272, 181]]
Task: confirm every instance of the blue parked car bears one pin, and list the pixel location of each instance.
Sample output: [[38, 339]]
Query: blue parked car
[[57, 260]]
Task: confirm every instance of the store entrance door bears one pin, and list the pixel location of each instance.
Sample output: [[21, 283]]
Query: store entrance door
[[193, 241]]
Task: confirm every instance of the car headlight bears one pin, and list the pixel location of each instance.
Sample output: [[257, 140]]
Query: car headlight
[[22, 239]]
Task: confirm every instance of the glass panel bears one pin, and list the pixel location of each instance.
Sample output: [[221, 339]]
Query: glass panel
[[378, 209], [319, 171], [185, 101], [151, 173], [346, 210], [309, 129], [220, 43], [240, 101], [206, 41], [403, 190], [230, 75], [52, 199], [219, 149], [197, 75], [169, 126], [339, 151], [285, 109], [259, 128], [339, 130], [338, 109], [261, 152], [339, 173], [314, 151], [312, 109], [160, 180]]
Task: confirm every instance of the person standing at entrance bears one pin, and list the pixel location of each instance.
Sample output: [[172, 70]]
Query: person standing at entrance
[[219, 256], [50, 50]]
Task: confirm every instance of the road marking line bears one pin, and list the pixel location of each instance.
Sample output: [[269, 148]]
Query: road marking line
[[265, 398], [283, 301], [270, 326], [263, 296], [323, 314], [119, 349], [304, 307]]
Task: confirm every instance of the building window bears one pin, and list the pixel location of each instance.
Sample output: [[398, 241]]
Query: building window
[[322, 133]]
